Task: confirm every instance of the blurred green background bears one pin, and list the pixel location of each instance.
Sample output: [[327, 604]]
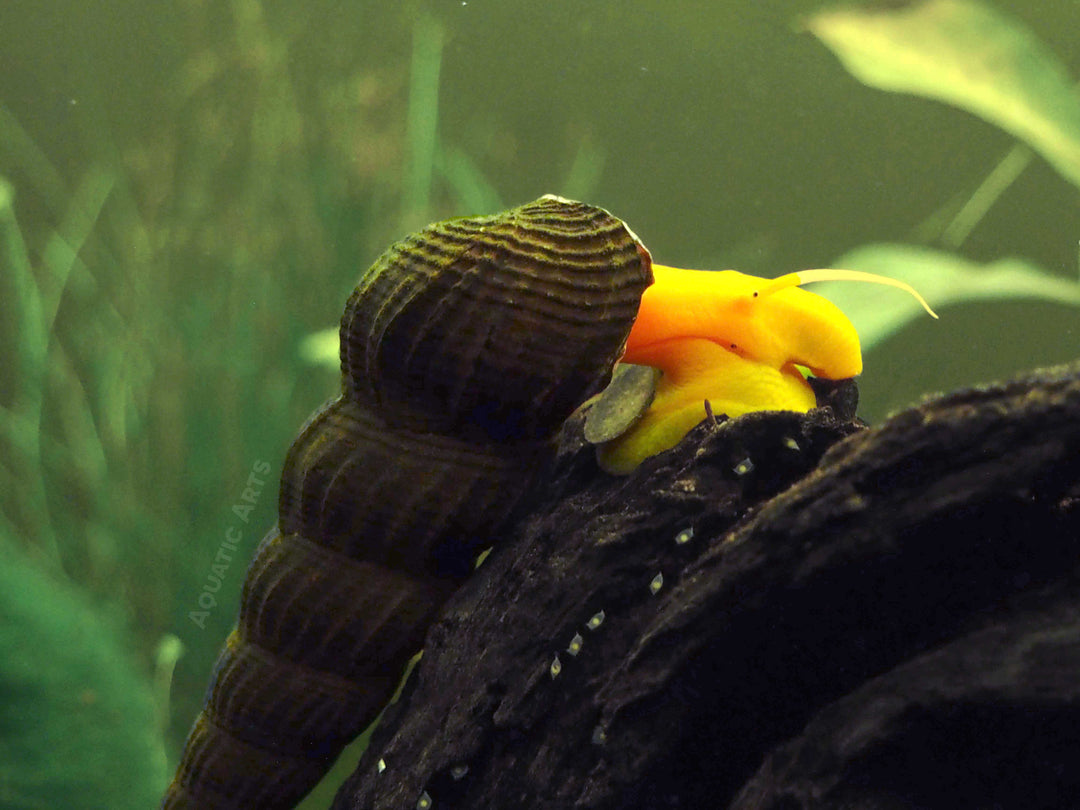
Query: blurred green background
[[189, 190]]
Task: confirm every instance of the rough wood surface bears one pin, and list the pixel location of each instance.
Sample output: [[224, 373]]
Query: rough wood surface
[[875, 618]]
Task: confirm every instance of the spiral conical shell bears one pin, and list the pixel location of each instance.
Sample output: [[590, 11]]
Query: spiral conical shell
[[463, 350], [503, 324]]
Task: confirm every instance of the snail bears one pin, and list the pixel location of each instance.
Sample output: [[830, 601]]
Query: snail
[[464, 348]]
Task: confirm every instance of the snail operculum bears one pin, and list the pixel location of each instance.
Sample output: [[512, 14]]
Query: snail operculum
[[622, 404]]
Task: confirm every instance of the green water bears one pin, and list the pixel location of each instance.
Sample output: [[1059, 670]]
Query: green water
[[192, 188]]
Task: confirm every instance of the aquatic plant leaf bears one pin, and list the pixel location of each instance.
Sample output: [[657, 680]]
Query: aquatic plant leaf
[[321, 348], [968, 55], [471, 190], [943, 279], [80, 729]]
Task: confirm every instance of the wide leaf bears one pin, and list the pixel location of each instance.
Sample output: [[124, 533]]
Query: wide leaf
[[968, 55], [942, 278], [79, 727]]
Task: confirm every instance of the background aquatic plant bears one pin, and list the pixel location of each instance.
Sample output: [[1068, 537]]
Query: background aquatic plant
[[73, 701], [966, 54], [190, 192]]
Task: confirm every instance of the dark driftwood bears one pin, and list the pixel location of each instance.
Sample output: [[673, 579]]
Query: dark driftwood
[[890, 619]]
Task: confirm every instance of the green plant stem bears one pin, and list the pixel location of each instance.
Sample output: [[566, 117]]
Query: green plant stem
[[422, 121], [24, 418], [989, 191]]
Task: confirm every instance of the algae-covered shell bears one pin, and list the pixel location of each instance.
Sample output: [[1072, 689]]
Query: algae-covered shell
[[500, 324], [463, 350], [419, 502]]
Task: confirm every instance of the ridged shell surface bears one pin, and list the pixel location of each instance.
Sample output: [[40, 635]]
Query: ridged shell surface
[[463, 350], [503, 324]]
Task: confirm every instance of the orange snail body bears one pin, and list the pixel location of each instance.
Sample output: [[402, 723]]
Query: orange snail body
[[463, 350]]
